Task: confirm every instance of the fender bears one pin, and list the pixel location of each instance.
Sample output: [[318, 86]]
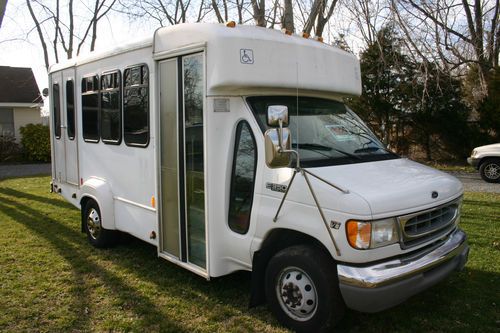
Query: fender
[[100, 191]]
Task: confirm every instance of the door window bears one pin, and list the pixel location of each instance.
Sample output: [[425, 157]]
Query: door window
[[70, 108], [242, 179], [57, 110]]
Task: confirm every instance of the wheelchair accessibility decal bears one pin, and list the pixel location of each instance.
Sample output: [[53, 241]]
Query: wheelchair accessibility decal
[[246, 56]]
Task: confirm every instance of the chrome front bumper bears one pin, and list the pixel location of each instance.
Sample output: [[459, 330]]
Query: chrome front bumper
[[382, 285]]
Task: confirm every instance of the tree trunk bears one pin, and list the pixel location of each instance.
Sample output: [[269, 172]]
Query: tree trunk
[[287, 20], [259, 12], [3, 6]]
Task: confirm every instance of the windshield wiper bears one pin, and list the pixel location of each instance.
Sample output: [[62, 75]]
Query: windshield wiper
[[318, 148], [373, 149]]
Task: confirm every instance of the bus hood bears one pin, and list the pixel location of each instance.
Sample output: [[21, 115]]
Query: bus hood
[[394, 187]]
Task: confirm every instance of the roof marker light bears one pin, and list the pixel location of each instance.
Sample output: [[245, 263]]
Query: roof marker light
[[286, 32], [319, 39], [231, 24], [305, 34]]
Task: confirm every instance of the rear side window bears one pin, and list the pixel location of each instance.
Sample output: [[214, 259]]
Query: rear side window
[[111, 122], [90, 108], [57, 110], [136, 106], [70, 108], [242, 179]]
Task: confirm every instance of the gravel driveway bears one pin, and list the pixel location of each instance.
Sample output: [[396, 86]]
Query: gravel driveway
[[473, 182], [21, 170]]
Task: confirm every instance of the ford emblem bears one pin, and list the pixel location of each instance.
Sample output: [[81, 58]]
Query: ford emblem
[[434, 194]]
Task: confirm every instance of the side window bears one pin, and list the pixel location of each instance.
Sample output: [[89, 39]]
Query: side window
[[70, 108], [242, 179], [136, 106], [111, 122], [90, 108], [57, 110]]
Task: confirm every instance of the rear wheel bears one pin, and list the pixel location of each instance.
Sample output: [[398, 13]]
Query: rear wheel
[[302, 289], [490, 170], [92, 222]]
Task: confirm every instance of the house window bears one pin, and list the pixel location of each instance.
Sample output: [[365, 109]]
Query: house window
[[70, 108], [136, 106], [242, 179], [90, 108], [6, 122], [111, 122], [57, 110]]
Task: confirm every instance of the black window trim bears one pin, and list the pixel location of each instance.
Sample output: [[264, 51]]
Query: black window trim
[[58, 137], [139, 145], [120, 93], [98, 106], [237, 138], [74, 108]]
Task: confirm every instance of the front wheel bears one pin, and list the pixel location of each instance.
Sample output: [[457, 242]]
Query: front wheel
[[92, 222], [302, 289], [490, 170]]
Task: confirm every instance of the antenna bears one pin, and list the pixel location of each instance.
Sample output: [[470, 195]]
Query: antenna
[[297, 101]]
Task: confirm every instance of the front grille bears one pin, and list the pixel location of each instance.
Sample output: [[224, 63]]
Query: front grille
[[422, 226]]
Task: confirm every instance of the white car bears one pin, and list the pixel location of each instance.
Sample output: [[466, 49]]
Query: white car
[[486, 159]]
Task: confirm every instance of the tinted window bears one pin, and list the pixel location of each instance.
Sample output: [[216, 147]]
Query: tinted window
[[136, 106], [90, 108], [242, 179], [111, 108], [57, 110], [70, 108]]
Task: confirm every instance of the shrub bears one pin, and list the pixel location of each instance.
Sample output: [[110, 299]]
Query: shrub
[[9, 149], [36, 142]]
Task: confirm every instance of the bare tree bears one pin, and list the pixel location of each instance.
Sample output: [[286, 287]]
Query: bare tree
[[319, 15], [287, 20], [456, 33], [49, 21], [259, 12]]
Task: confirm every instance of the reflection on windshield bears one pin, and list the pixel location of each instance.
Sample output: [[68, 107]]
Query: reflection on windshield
[[325, 132]]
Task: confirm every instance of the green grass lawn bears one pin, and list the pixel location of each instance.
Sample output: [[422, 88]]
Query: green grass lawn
[[52, 280]]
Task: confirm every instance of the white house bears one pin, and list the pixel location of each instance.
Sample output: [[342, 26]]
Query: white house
[[20, 100]]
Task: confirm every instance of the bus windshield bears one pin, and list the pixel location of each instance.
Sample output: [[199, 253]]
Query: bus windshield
[[324, 132]]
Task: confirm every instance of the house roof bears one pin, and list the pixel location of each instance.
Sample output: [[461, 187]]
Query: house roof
[[18, 85]]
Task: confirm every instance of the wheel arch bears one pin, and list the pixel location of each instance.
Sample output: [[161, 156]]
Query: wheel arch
[[275, 241], [100, 192]]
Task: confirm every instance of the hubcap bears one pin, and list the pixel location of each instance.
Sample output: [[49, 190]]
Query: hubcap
[[94, 223], [296, 294], [492, 171]]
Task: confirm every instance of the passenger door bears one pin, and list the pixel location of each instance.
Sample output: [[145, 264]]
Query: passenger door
[[57, 121], [182, 161], [70, 126]]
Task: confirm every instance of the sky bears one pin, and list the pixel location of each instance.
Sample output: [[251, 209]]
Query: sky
[[20, 45]]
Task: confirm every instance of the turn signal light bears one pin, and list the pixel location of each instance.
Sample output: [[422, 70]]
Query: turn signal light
[[359, 234]]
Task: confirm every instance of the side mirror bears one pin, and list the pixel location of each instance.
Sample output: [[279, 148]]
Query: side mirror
[[277, 115], [278, 147]]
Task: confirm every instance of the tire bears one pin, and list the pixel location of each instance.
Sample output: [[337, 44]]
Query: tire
[[302, 289], [92, 224], [490, 170]]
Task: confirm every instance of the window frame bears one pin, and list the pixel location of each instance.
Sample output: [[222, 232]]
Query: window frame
[[239, 127], [98, 107], [139, 145], [74, 109], [120, 106], [56, 110]]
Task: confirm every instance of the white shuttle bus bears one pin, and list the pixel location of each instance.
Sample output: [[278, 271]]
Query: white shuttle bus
[[229, 148]]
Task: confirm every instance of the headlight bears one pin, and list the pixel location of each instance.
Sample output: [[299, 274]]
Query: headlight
[[373, 234], [474, 153]]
